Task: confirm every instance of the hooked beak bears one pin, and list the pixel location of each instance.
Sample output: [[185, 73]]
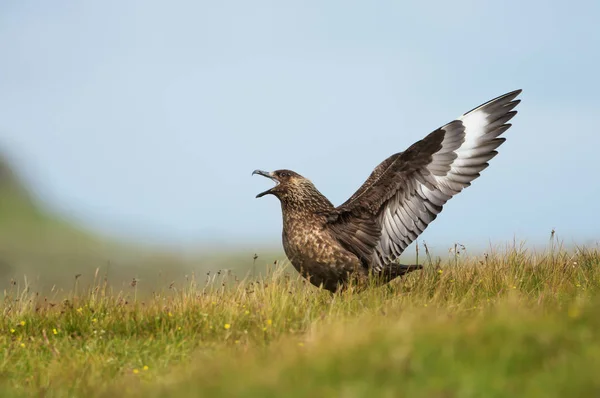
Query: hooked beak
[[268, 175]]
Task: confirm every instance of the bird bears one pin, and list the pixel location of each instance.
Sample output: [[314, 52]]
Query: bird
[[363, 238]]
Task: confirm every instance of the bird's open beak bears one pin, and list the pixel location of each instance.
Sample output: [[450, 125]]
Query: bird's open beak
[[268, 175]]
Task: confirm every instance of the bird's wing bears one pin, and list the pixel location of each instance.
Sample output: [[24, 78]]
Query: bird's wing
[[407, 191]]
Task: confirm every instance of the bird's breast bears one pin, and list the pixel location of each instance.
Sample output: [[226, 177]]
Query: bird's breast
[[314, 252]]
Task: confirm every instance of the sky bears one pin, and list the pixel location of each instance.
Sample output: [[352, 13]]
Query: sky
[[144, 119]]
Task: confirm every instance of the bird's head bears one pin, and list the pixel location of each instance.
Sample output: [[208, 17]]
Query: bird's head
[[294, 191], [286, 182]]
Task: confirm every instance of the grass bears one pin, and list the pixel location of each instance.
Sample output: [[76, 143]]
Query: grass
[[510, 323]]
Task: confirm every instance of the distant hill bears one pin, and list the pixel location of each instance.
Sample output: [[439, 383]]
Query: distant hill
[[15, 201], [50, 252]]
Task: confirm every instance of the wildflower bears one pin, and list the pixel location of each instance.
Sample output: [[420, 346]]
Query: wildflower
[[578, 285], [440, 271], [269, 322], [170, 315], [135, 371], [80, 310], [264, 329], [22, 323], [23, 345], [54, 331], [247, 312], [94, 320], [227, 326], [178, 327], [12, 330], [146, 367]]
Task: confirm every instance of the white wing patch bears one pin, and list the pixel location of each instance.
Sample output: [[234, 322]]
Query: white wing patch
[[469, 143]]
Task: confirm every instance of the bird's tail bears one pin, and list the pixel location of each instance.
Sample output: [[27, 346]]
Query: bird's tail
[[395, 270]]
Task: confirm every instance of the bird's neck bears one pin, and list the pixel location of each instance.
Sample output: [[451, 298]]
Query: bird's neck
[[307, 205]]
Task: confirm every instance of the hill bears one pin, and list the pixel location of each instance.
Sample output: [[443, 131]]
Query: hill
[[43, 251]]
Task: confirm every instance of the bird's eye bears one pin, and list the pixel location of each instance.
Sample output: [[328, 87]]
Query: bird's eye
[[283, 174]]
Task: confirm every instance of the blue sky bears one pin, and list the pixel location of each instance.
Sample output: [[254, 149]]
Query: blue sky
[[144, 119]]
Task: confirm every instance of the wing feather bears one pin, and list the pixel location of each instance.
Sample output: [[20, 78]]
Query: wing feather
[[407, 191]]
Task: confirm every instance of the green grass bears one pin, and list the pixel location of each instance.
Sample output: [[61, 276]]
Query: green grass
[[513, 323]]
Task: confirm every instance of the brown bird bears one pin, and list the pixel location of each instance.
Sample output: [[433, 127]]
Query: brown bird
[[366, 235]]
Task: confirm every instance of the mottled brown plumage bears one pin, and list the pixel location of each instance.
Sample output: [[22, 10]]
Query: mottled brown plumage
[[402, 196]]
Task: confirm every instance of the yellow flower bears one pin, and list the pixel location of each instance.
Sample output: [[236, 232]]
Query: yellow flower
[[178, 327], [136, 371], [54, 331], [170, 315], [94, 320], [440, 271], [269, 322], [264, 329], [146, 367], [12, 330], [22, 323], [23, 345], [227, 326], [80, 310], [247, 312]]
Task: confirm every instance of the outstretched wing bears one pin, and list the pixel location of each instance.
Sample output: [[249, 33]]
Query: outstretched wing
[[408, 190]]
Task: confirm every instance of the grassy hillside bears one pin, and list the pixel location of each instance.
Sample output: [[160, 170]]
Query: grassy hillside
[[41, 250], [508, 324], [42, 247]]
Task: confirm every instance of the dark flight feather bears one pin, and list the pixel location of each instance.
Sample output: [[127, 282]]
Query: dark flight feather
[[407, 191]]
